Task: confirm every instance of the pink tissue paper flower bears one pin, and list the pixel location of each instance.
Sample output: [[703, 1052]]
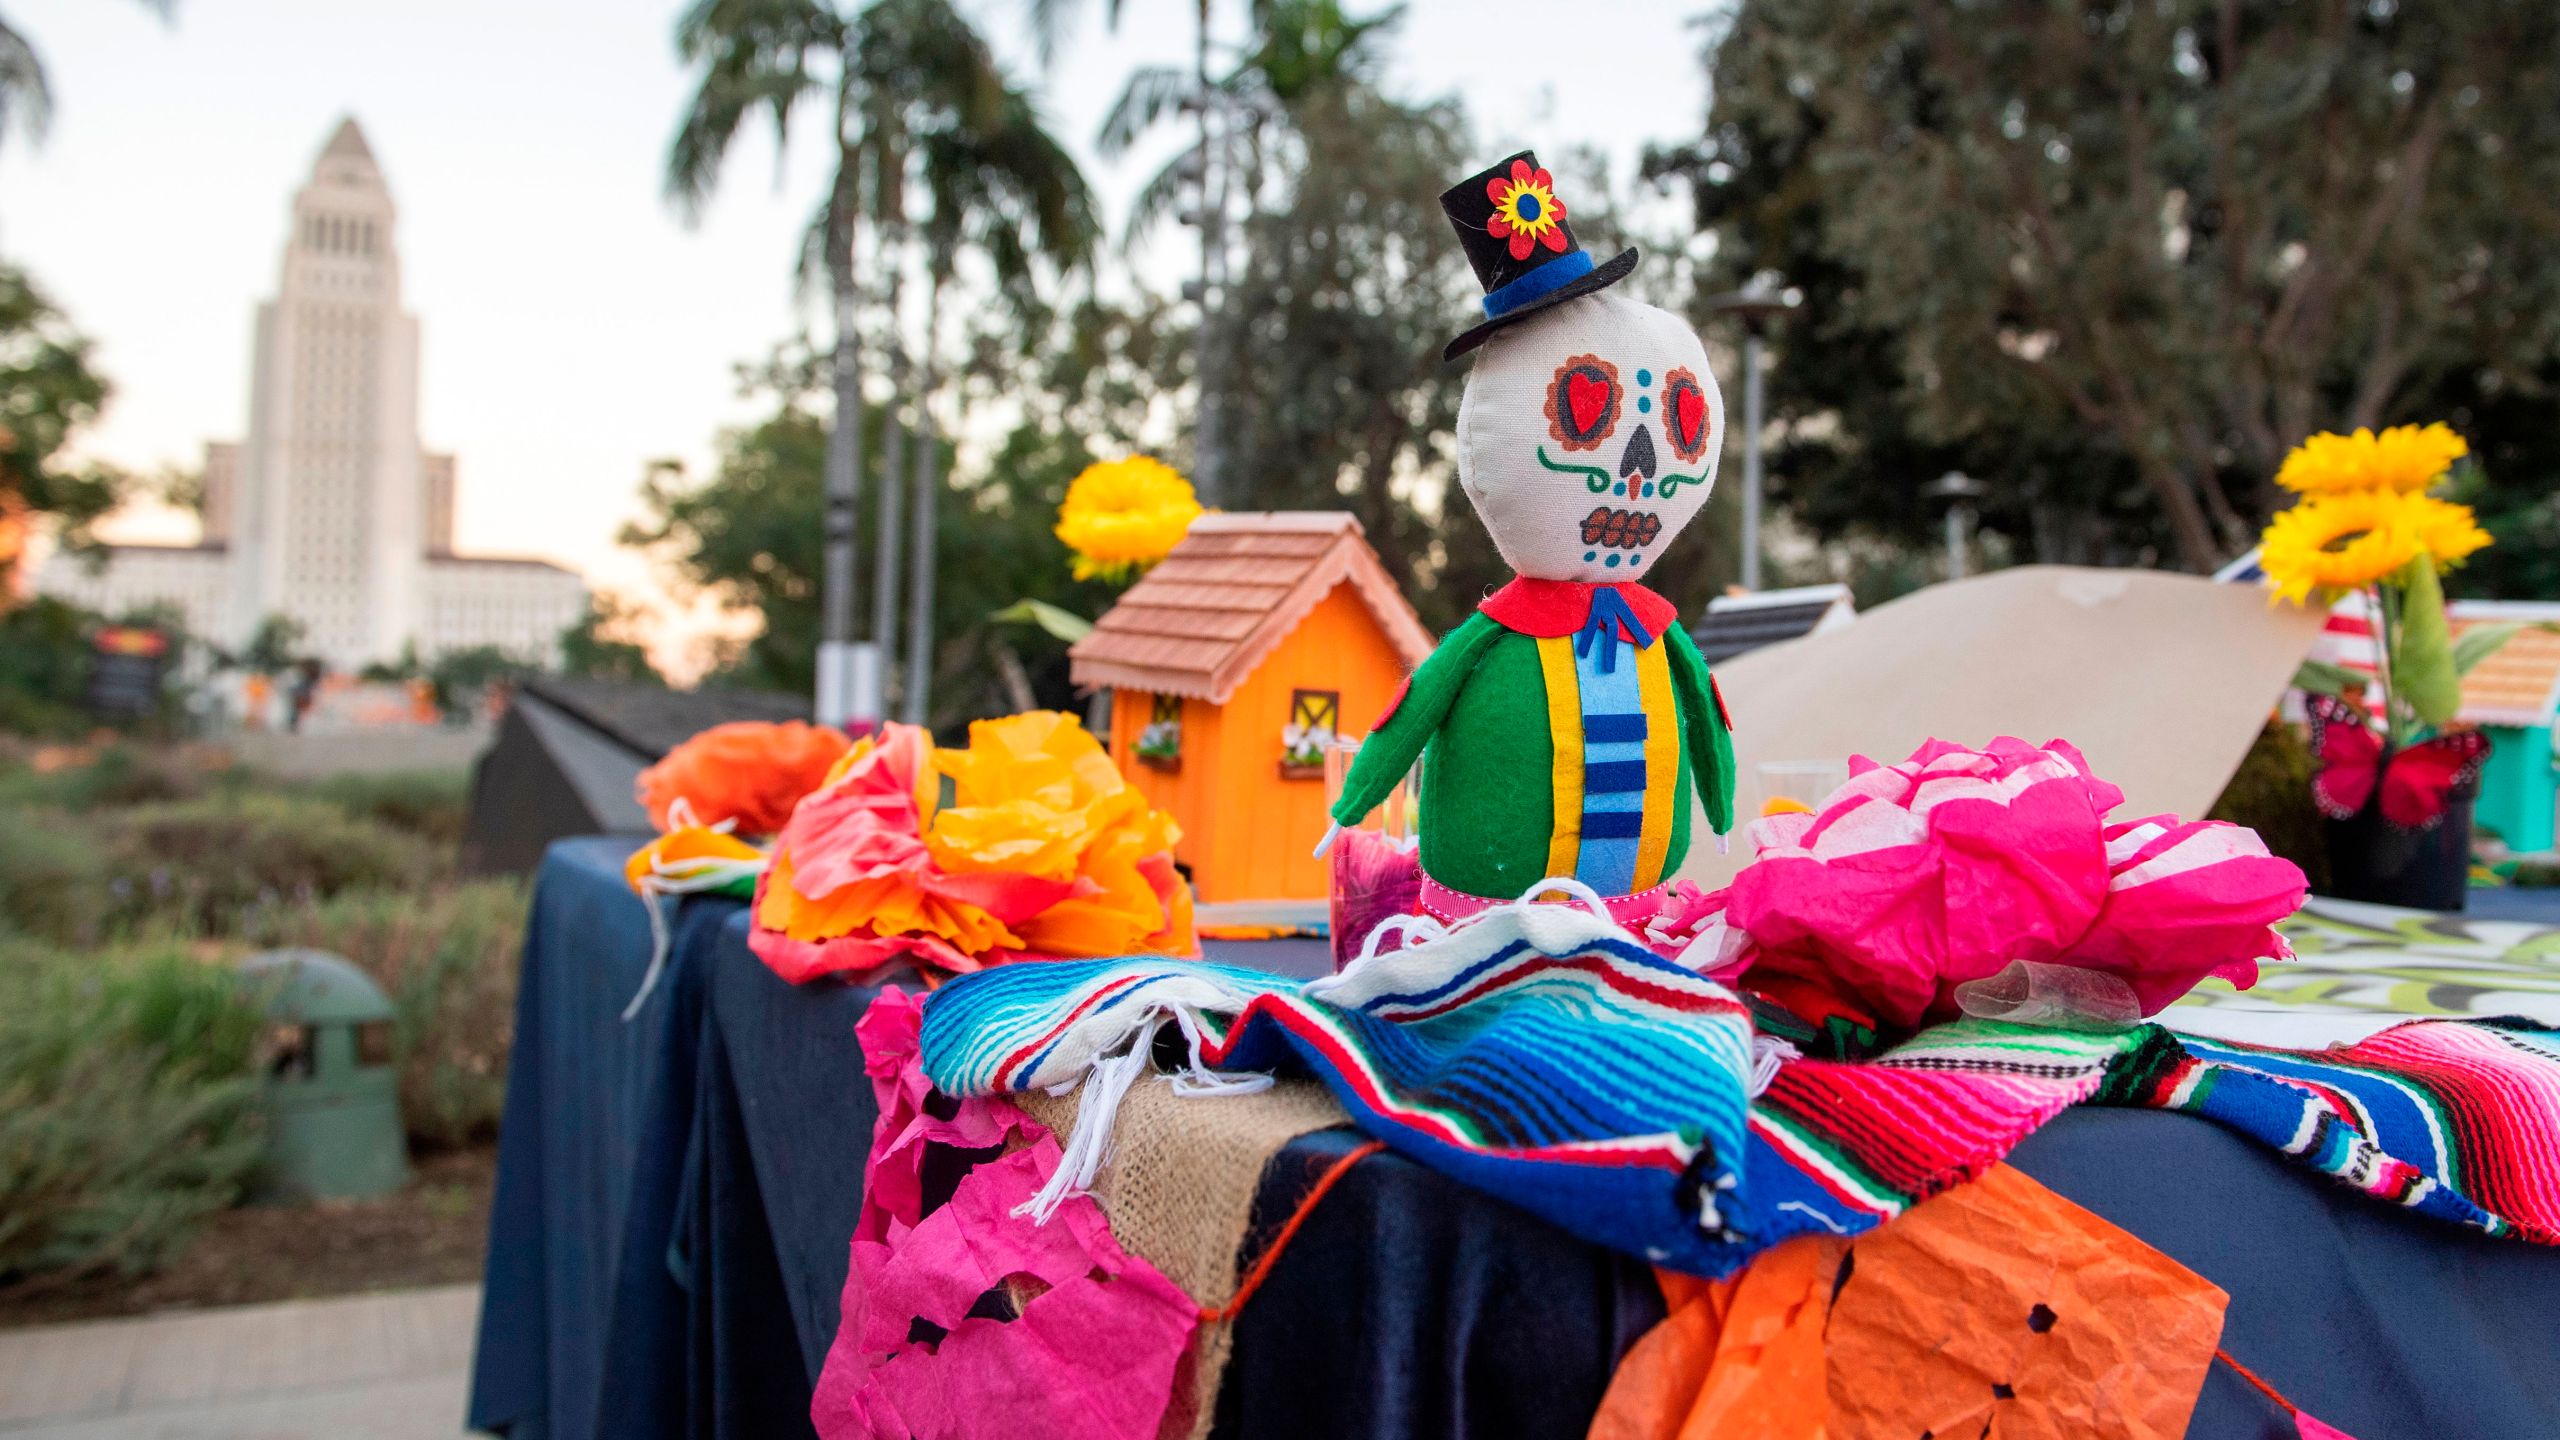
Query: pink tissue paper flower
[[1092, 1353], [1914, 878]]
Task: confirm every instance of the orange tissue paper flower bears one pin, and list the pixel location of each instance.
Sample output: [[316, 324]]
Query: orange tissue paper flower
[[852, 887], [1044, 850], [749, 772], [1037, 793]]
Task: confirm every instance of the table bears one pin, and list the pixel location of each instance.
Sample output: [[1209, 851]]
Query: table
[[675, 1198]]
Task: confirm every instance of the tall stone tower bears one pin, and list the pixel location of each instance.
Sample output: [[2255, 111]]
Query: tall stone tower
[[328, 513], [325, 525]]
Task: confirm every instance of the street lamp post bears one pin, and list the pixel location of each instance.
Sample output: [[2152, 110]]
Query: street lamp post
[[1755, 304], [1959, 490]]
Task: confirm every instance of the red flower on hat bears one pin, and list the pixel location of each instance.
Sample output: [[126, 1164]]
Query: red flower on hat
[[1526, 210]]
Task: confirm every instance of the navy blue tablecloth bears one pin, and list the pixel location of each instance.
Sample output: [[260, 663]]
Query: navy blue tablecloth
[[675, 1200]]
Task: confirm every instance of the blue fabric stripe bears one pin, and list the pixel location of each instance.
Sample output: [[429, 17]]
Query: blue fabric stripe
[[1545, 280], [1612, 805], [1612, 824], [1611, 777], [1606, 729]]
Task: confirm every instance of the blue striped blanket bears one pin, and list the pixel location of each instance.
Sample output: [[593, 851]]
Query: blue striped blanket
[[1545, 1059]]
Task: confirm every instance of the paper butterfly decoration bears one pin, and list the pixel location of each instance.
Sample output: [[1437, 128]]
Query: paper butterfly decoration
[[2415, 783]]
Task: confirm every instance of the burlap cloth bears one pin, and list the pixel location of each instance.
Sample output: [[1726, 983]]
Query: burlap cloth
[[1178, 1187]]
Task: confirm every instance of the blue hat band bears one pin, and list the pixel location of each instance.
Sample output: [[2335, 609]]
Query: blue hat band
[[1537, 284]]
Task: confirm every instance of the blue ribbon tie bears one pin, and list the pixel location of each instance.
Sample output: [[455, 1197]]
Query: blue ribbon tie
[[1610, 621]]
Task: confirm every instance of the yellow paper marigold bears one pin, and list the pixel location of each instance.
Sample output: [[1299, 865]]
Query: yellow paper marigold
[[2447, 531], [2405, 458], [2338, 542], [1036, 794], [1122, 516]]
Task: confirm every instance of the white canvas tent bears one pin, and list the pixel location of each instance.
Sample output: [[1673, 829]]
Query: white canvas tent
[[2162, 680]]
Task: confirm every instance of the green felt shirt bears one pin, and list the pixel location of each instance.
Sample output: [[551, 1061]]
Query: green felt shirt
[[1476, 711]]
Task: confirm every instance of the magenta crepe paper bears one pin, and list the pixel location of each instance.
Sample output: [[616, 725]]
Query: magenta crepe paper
[[1914, 878], [1093, 1352]]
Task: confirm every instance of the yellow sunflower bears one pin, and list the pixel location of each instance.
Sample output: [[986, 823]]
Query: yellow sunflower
[[2338, 542], [2449, 532], [2406, 458], [1122, 516]]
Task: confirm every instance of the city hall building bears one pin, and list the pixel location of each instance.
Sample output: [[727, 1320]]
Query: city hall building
[[329, 512]]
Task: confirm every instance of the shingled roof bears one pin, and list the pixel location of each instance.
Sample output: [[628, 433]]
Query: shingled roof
[[1235, 587], [2520, 683]]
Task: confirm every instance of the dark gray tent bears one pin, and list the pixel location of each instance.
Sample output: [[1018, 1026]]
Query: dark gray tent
[[568, 753]]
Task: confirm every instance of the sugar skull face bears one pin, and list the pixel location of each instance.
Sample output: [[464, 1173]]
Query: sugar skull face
[[1588, 436]]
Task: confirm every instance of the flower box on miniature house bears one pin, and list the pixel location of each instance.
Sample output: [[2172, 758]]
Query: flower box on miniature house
[[1258, 632], [2514, 695]]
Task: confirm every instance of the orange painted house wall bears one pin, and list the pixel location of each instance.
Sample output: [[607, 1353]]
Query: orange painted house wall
[[1247, 834]]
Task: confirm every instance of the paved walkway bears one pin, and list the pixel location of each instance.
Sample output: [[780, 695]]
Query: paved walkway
[[383, 1367]]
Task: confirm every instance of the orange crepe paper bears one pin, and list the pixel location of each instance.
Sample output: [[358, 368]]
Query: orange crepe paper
[[674, 851], [2013, 1314], [1044, 850], [750, 772], [1736, 1359], [1036, 793], [1997, 1309]]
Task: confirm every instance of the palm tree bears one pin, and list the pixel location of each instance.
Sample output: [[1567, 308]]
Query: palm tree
[[771, 57], [952, 127], [912, 86], [26, 96], [1299, 48], [1008, 190]]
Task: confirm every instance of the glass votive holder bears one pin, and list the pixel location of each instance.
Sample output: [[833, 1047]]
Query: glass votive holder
[[1791, 785]]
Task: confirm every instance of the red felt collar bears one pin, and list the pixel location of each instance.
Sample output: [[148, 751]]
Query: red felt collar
[[1550, 608]]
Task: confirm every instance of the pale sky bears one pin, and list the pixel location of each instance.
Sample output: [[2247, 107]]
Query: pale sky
[[574, 328]]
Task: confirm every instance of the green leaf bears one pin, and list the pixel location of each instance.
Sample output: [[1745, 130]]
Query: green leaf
[[1064, 624], [2422, 662], [2319, 677], [2479, 643]]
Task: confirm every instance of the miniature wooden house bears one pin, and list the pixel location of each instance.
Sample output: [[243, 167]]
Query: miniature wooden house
[[1259, 635], [2514, 695]]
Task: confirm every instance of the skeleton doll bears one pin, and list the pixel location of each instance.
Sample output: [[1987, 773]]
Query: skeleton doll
[[1569, 721]]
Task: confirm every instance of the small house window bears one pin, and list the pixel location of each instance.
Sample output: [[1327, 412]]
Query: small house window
[[1316, 709], [1160, 743], [1315, 717]]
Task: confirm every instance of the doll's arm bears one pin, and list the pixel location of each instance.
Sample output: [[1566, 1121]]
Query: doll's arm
[[1413, 717], [1702, 717]]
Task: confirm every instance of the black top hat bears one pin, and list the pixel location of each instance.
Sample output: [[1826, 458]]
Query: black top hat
[[1514, 231]]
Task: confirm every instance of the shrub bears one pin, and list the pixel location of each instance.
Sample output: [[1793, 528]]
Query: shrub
[[57, 882], [433, 804], [128, 1105], [114, 774], [209, 866], [447, 958]]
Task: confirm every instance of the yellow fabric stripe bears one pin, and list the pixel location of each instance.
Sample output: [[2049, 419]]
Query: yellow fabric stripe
[[1564, 732], [1661, 761]]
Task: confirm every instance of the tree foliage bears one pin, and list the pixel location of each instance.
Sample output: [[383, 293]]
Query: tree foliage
[[747, 533], [2117, 256], [596, 646], [47, 393]]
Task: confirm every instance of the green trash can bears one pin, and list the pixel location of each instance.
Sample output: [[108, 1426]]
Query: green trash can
[[332, 1096]]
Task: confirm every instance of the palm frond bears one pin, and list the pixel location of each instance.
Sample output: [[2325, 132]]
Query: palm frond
[[1159, 198], [25, 99], [749, 57], [1152, 90]]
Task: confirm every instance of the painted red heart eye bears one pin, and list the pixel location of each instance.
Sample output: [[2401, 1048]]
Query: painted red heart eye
[[1685, 420], [1583, 402]]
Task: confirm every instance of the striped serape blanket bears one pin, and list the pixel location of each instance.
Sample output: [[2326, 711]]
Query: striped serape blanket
[[1541, 1057]]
